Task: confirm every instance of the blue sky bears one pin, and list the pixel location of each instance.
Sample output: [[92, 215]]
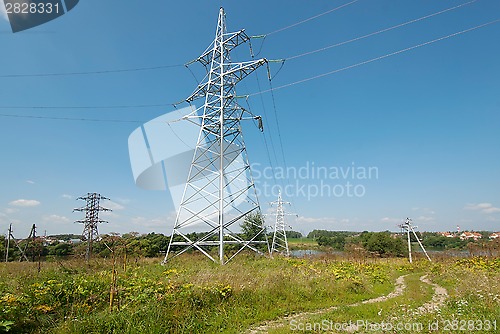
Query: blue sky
[[426, 120]]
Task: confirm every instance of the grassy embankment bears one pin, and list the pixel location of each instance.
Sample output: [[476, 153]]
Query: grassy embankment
[[193, 295]]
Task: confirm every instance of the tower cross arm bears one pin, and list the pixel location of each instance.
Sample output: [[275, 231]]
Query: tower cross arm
[[231, 41], [241, 70], [236, 70]]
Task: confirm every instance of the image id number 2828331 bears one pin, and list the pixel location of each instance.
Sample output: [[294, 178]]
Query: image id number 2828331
[[31, 8]]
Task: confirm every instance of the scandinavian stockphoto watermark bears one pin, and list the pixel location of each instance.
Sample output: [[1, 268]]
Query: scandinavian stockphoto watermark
[[312, 180]]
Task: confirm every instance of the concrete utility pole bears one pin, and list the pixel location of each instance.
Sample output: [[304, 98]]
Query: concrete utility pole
[[408, 227], [8, 243]]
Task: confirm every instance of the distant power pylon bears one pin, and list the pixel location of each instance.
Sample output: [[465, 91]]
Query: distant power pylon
[[408, 227], [280, 242], [91, 209], [220, 190]]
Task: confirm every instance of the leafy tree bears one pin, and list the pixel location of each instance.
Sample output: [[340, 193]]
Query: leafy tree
[[334, 239], [62, 249], [293, 234], [252, 226], [3, 243], [65, 237], [384, 244], [380, 243]]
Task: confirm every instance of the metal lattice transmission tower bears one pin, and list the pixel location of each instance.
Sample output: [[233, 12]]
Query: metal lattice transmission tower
[[220, 190], [91, 209], [408, 227], [280, 242]]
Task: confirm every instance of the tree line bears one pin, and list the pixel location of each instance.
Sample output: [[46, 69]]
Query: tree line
[[395, 244]]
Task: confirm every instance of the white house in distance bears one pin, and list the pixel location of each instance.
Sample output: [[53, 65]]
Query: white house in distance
[[495, 235], [447, 234], [470, 235]]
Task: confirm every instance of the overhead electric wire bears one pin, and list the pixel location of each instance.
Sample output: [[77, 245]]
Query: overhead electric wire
[[376, 58], [136, 106], [249, 95], [159, 67], [379, 31], [265, 116], [267, 147], [277, 122], [309, 19], [72, 119], [136, 69]]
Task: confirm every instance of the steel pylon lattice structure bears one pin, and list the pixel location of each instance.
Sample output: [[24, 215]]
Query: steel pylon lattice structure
[[408, 227], [220, 190], [280, 242], [92, 208]]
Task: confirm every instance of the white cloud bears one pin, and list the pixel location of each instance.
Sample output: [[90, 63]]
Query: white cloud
[[25, 202], [123, 200], [67, 196], [11, 210], [165, 223], [391, 220], [30, 182], [2, 214], [56, 219], [322, 223], [112, 205], [487, 208], [492, 219], [109, 214], [424, 210], [147, 222], [424, 219], [315, 220]]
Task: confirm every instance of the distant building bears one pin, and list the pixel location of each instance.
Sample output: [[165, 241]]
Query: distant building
[[495, 235], [447, 234], [470, 235], [47, 240]]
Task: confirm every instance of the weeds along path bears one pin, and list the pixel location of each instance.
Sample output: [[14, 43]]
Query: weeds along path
[[438, 298], [399, 288]]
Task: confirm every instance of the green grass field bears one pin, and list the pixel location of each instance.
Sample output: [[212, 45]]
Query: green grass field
[[193, 295]]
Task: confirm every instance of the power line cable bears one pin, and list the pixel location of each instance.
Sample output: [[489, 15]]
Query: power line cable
[[379, 31], [159, 67], [276, 119], [377, 58], [249, 95], [267, 147], [136, 69], [264, 110], [71, 118], [308, 19], [159, 105]]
